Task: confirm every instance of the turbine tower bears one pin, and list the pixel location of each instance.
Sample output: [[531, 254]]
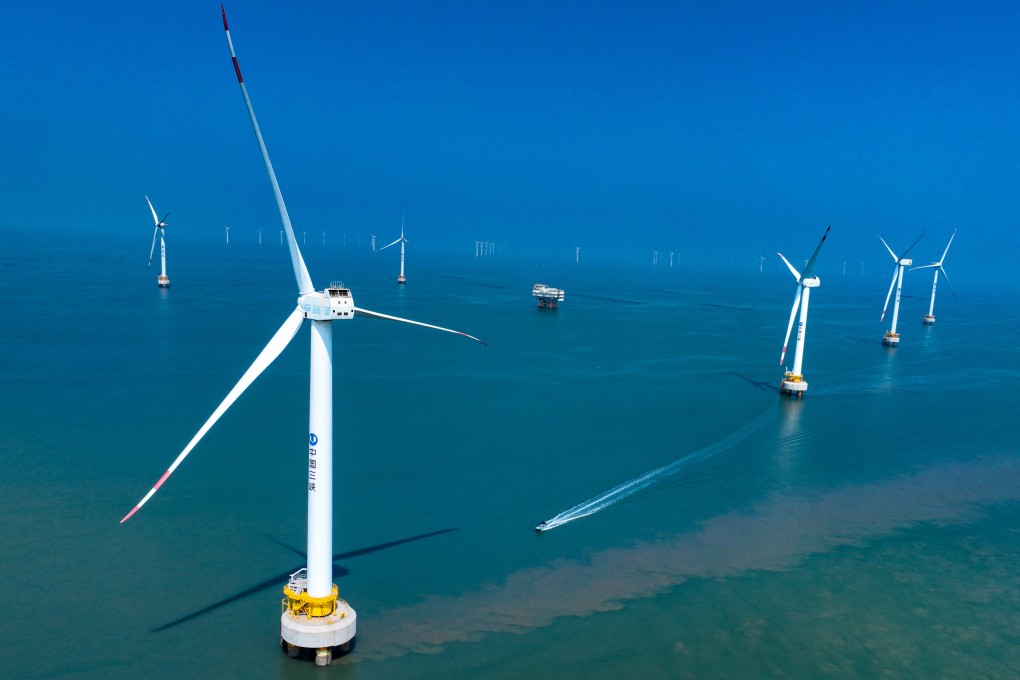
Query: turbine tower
[[400, 279], [313, 617], [163, 281], [260, 237], [577, 253], [227, 227], [891, 337], [929, 318], [793, 382]]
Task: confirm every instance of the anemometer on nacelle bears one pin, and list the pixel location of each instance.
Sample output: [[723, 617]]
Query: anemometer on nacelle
[[332, 303]]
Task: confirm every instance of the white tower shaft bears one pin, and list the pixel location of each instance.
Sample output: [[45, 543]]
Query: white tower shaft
[[320, 461], [934, 283], [896, 302], [162, 255], [401, 255], [798, 352]]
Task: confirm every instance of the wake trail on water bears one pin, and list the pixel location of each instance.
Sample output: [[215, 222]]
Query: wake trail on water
[[652, 477]]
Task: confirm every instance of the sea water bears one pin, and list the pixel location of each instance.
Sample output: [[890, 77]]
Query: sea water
[[868, 530]]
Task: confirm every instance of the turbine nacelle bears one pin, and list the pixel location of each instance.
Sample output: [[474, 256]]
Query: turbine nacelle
[[328, 305], [813, 282], [906, 262]]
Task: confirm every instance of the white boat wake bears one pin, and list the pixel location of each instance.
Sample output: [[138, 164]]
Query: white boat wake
[[652, 477]]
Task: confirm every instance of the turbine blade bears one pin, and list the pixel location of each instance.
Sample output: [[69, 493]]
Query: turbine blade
[[914, 243], [365, 312], [390, 244], [154, 218], [925, 266], [304, 281], [789, 326], [796, 274], [163, 221], [888, 248], [152, 248], [276, 345], [814, 256], [946, 251], [889, 294], [943, 270]]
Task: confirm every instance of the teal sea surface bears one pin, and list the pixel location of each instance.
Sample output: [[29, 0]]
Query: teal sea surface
[[870, 530]]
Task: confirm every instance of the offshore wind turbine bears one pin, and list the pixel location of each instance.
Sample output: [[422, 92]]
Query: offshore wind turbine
[[163, 281], [314, 617], [400, 279], [793, 380], [227, 227], [260, 237], [891, 337], [929, 318]]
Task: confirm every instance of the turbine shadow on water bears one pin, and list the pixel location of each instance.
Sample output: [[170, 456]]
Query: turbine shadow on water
[[281, 578], [758, 384]]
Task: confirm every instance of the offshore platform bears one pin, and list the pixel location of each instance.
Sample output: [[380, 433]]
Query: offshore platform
[[548, 297]]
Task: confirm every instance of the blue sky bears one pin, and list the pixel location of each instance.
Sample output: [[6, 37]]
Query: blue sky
[[622, 127]]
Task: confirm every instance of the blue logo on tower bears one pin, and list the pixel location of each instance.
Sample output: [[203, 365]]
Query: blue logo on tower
[[312, 439]]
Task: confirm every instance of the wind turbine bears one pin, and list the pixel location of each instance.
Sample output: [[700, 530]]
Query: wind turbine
[[929, 318], [891, 337], [577, 254], [793, 381], [373, 241], [163, 281], [313, 617], [400, 279], [260, 236], [227, 227]]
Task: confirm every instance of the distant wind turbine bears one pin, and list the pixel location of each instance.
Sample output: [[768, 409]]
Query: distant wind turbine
[[163, 281], [793, 381], [929, 318], [891, 337], [400, 279]]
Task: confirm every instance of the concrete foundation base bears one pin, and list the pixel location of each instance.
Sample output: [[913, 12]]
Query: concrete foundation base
[[928, 319], [793, 388], [325, 635], [891, 339]]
